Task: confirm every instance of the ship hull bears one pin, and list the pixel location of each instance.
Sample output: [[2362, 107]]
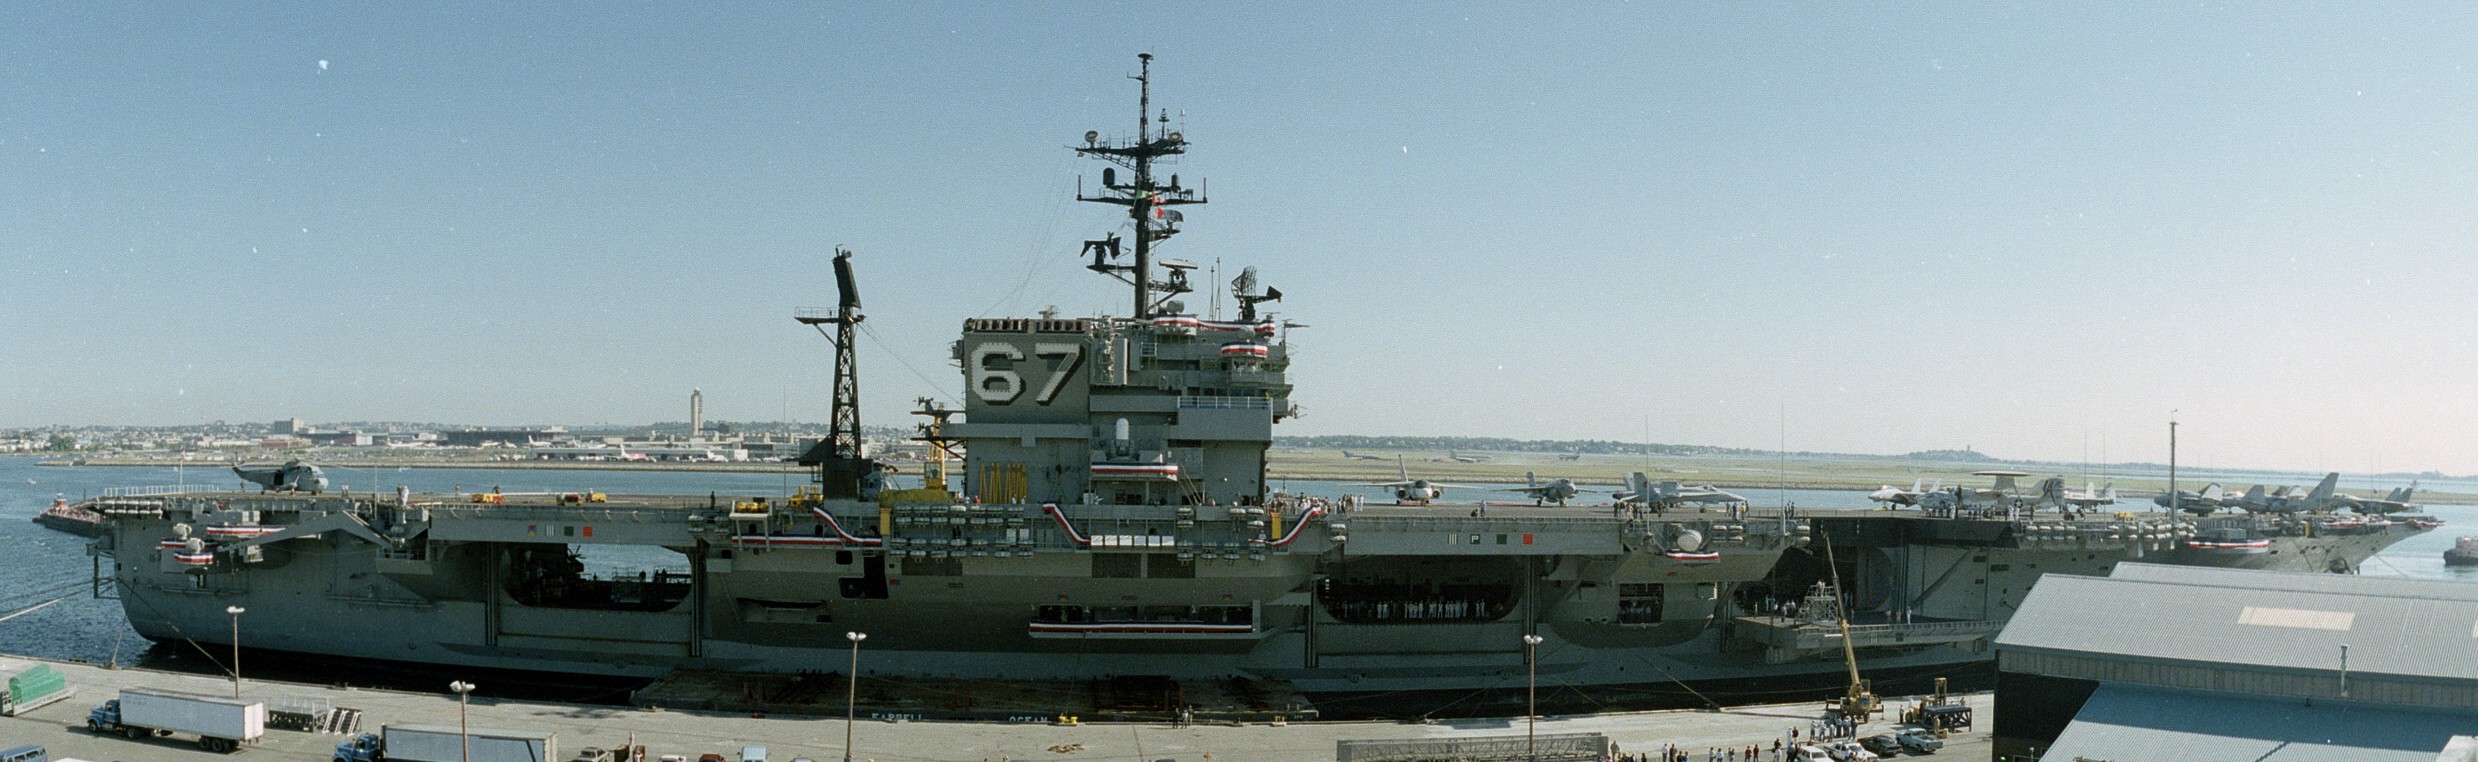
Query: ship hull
[[1327, 618]]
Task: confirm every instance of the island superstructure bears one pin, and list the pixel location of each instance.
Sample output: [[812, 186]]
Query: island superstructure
[[1109, 515]]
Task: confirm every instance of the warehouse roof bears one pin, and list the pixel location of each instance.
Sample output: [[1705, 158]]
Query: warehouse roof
[[2304, 582], [2275, 620], [2133, 723]]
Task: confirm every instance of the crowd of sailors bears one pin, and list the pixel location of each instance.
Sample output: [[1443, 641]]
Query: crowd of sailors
[[1365, 603], [1783, 748], [1419, 610]]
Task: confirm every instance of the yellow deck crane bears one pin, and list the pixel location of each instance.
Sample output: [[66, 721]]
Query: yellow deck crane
[[1859, 702]]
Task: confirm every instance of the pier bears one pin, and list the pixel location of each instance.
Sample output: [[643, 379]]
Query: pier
[[60, 728]]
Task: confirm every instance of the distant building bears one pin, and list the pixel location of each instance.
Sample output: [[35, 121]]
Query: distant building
[[779, 448], [339, 438], [513, 437], [2194, 663], [289, 426]]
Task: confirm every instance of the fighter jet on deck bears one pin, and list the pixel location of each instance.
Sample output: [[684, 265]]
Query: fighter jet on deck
[[1418, 491], [2092, 498], [2211, 498], [2323, 499], [1661, 496], [1999, 495], [1892, 495], [2395, 502], [1551, 491]]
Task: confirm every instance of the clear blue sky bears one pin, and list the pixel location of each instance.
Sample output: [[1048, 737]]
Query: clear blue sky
[[1856, 228]]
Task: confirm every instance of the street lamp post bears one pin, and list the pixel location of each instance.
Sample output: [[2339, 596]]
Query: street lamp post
[[235, 611], [851, 691], [1531, 696], [464, 736]]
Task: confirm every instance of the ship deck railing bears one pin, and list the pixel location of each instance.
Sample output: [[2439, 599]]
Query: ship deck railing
[[165, 489], [1195, 402], [1365, 520], [1796, 634]]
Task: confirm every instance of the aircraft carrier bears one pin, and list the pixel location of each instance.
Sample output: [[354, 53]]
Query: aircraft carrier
[[1098, 508]]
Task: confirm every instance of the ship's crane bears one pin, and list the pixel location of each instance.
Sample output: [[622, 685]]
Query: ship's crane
[[933, 470], [842, 471], [1859, 701]]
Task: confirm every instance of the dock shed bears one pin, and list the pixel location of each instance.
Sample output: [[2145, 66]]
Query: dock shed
[[2236, 664]]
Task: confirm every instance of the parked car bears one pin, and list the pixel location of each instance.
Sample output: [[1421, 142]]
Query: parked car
[[1881, 743], [1919, 741], [1850, 751]]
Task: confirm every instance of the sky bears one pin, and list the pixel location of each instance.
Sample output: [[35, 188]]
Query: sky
[[2038, 231]]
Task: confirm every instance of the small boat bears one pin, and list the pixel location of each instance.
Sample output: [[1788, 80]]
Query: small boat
[[71, 519], [2464, 552]]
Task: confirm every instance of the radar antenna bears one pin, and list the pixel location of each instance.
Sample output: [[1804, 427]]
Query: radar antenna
[[1148, 201], [1243, 289], [841, 470]]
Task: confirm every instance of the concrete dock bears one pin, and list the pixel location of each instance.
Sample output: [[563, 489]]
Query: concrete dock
[[60, 728]]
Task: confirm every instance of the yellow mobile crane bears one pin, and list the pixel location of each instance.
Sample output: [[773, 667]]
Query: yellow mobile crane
[[1859, 702]]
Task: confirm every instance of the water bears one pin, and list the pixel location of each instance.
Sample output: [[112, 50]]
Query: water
[[38, 564]]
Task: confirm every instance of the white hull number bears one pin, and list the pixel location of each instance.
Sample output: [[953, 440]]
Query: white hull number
[[998, 385]]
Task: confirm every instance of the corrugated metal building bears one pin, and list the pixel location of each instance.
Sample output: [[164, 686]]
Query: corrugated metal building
[[2223, 663]]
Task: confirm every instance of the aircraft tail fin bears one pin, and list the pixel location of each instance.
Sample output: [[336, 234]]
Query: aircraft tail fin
[[2109, 493], [2323, 489], [1529, 480], [2254, 493], [2212, 491]]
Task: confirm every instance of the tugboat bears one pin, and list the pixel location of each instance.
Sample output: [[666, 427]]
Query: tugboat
[[2464, 552], [71, 519]]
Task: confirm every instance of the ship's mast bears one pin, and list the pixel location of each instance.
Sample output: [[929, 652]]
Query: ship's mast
[[838, 457], [1148, 202]]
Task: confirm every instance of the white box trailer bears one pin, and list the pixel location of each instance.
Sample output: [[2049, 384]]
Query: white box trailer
[[444, 743], [221, 724]]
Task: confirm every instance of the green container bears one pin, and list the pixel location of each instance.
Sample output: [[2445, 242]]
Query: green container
[[36, 683]]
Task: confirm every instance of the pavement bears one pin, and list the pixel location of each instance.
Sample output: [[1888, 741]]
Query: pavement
[[61, 728]]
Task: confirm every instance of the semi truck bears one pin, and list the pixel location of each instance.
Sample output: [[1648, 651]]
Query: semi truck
[[437, 743], [221, 724]]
